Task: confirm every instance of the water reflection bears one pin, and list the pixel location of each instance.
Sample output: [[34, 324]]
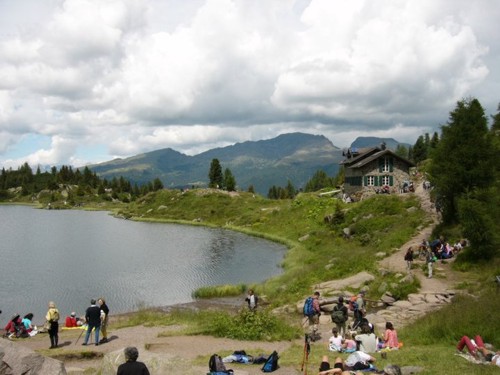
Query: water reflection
[[72, 256]]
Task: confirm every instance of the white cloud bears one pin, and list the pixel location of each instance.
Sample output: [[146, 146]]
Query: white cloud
[[141, 75]]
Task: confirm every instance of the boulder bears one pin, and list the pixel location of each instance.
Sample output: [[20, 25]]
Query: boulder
[[16, 359], [157, 364]]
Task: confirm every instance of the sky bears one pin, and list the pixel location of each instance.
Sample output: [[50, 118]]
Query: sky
[[87, 81]]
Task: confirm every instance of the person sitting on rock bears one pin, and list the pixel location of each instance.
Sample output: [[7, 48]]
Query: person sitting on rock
[[132, 366]]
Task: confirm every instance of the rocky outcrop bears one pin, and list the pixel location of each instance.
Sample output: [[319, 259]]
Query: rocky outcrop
[[16, 360], [157, 364], [404, 312]]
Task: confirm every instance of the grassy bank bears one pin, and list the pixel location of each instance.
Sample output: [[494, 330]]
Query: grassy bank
[[318, 250]]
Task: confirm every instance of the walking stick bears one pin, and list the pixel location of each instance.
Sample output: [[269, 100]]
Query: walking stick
[[81, 333], [305, 356]]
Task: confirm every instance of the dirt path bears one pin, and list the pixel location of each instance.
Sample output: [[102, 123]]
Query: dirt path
[[444, 277]]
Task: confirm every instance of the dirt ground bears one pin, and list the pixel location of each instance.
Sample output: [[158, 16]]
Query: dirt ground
[[188, 348]]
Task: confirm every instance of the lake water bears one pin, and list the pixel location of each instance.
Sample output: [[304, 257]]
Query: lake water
[[72, 256]]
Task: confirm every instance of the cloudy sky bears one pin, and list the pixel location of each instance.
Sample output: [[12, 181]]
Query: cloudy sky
[[85, 81]]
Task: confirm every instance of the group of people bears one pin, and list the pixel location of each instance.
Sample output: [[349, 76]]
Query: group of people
[[358, 339], [437, 249], [96, 319], [17, 327], [360, 347]]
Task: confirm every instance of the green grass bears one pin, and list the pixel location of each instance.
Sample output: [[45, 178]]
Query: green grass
[[219, 291]]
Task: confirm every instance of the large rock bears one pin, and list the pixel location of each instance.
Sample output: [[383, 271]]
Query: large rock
[[157, 364], [356, 282], [16, 360]]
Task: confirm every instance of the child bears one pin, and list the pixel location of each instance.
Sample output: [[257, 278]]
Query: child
[[349, 345], [390, 337], [335, 342]]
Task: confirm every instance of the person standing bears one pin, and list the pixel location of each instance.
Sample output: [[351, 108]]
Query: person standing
[[93, 318], [314, 318], [409, 259], [104, 321], [340, 316], [131, 366], [52, 318], [251, 300], [360, 309], [430, 263]]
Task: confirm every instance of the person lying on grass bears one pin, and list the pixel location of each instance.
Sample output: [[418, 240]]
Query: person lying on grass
[[478, 351]]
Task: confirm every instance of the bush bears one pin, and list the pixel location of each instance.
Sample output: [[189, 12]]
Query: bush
[[249, 325]]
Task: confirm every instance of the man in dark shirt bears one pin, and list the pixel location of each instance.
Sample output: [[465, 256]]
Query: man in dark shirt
[[93, 318], [131, 366]]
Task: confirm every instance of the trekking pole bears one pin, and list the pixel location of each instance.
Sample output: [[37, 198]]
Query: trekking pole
[[305, 356], [81, 333]]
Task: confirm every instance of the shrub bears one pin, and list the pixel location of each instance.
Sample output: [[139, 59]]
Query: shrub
[[249, 325]]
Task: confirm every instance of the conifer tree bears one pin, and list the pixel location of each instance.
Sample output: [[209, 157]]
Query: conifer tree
[[215, 177], [464, 158]]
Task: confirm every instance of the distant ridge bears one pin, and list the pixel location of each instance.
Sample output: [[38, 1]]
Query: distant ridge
[[294, 156], [391, 143]]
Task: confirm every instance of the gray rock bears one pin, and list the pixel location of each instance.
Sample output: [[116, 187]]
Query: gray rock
[[157, 364], [408, 370], [16, 359], [304, 238]]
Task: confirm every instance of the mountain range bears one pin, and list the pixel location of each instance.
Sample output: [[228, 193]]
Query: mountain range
[[262, 164]]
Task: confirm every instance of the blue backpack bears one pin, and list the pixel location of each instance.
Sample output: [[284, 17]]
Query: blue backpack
[[308, 307], [271, 363]]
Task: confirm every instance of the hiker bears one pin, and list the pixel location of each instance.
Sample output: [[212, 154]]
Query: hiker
[[477, 350], [430, 264], [93, 318], [335, 341], [28, 324], [313, 313], [104, 320], [52, 318], [325, 369], [252, 300], [409, 259], [132, 366], [340, 316], [367, 340], [359, 309], [390, 337]]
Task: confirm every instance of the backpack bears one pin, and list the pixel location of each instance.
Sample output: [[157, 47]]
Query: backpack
[[308, 307], [353, 304], [215, 364], [338, 315], [271, 363]]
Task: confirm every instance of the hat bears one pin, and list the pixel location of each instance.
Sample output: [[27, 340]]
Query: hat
[[362, 292], [73, 313]]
